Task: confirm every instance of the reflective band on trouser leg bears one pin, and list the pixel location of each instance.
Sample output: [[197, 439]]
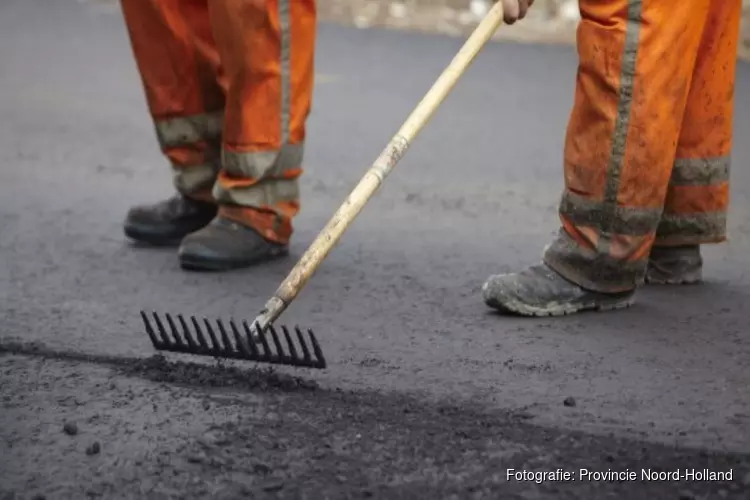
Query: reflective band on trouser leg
[[179, 66], [196, 181], [269, 203], [696, 205], [636, 61], [269, 99], [193, 145], [185, 130]]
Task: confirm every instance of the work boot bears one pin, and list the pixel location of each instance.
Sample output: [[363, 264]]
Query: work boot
[[168, 222], [224, 244], [675, 265], [540, 291]]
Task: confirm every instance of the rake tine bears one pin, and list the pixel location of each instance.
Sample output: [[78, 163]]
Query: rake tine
[[238, 339], [229, 349], [279, 349], [175, 333], [321, 360], [162, 331], [290, 343], [250, 339], [305, 350], [150, 331], [263, 340], [186, 333], [199, 335], [217, 346]]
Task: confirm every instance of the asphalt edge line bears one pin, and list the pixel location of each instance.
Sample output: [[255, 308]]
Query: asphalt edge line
[[158, 368]]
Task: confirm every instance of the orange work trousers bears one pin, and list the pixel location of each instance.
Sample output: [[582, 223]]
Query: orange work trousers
[[647, 149], [229, 87]]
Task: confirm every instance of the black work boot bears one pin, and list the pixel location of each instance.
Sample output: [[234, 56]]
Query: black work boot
[[224, 244], [675, 265], [168, 222], [540, 291]]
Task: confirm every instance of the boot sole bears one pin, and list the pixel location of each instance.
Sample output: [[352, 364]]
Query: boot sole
[[693, 276], [651, 281], [682, 280], [140, 234], [198, 263], [519, 309]]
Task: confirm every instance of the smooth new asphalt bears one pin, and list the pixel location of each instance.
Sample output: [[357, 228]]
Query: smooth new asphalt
[[428, 393]]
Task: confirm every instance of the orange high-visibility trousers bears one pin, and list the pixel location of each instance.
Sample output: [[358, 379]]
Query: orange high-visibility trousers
[[647, 151], [229, 87]]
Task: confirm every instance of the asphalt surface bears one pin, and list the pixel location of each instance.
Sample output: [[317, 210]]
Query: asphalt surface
[[428, 394]]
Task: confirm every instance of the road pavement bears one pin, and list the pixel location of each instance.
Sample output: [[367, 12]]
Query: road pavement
[[428, 394]]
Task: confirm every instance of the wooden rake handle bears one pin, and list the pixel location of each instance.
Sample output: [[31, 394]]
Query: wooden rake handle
[[393, 152]]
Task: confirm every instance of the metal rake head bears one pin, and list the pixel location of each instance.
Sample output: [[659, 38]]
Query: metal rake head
[[248, 343]]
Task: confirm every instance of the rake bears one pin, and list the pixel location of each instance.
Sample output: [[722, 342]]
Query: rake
[[251, 342]]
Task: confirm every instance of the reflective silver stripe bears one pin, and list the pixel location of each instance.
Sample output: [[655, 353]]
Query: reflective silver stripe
[[267, 166], [700, 171], [625, 220], [186, 130], [286, 79], [265, 194], [263, 164], [596, 269], [692, 227], [622, 122], [592, 269], [187, 180]]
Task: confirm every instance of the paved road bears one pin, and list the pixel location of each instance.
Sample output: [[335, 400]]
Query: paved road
[[428, 394]]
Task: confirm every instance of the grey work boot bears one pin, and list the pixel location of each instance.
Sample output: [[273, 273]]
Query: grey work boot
[[224, 244], [675, 265], [540, 291], [168, 221]]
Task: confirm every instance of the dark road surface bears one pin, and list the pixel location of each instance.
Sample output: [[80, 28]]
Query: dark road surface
[[428, 395]]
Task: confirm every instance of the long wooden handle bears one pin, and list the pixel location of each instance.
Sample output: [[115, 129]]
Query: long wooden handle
[[393, 152]]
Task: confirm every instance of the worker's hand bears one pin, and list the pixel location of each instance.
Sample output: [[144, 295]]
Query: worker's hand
[[514, 10]]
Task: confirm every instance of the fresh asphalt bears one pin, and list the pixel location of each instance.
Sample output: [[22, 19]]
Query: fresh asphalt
[[428, 394]]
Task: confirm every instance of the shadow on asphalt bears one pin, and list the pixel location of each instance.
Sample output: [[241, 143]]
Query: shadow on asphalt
[[294, 439]]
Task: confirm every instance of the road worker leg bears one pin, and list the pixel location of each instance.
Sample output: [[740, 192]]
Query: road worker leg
[[179, 65], [636, 64], [267, 51], [697, 198]]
